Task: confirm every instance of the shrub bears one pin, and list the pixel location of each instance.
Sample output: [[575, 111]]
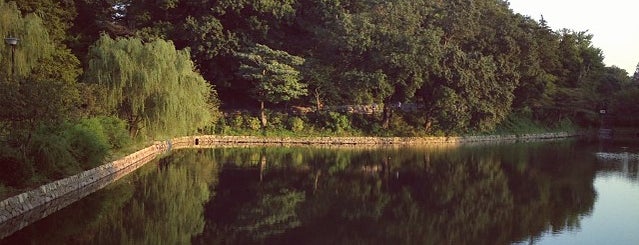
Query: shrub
[[277, 120], [51, 153], [237, 121], [221, 125], [252, 122], [296, 124], [338, 122], [399, 127], [519, 123], [56, 151], [366, 123], [115, 130], [70, 147], [87, 142]]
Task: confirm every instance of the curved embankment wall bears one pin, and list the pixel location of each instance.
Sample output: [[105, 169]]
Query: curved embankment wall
[[19, 211]]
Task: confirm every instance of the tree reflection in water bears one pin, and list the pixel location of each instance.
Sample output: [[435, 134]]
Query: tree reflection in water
[[471, 195], [161, 203], [486, 194]]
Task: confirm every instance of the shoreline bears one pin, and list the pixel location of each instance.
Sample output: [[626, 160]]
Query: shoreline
[[194, 141], [23, 209]]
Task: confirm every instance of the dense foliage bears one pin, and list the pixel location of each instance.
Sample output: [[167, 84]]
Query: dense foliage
[[465, 65]]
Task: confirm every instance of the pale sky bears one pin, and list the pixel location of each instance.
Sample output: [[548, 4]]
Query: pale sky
[[614, 24]]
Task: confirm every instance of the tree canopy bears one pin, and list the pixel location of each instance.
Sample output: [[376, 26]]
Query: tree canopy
[[274, 75], [466, 65], [463, 66]]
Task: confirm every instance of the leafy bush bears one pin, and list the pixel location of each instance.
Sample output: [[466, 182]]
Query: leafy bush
[[365, 123], [252, 123], [217, 127], [339, 122], [88, 142], [115, 130], [236, 121], [399, 127], [51, 153], [519, 123], [296, 124], [56, 151], [277, 120]]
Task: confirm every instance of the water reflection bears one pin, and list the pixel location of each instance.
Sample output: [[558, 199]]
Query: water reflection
[[473, 195], [495, 194], [161, 203], [619, 158]]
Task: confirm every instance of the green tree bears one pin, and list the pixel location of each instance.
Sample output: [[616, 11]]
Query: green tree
[[275, 75], [38, 82], [152, 86], [610, 81], [404, 48], [369, 52], [623, 105], [539, 57], [479, 60], [578, 76]]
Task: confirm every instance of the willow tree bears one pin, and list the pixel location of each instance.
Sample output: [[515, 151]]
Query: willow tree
[[275, 75], [152, 86], [37, 75], [33, 41]]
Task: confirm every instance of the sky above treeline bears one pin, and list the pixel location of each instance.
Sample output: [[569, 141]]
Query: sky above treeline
[[614, 24]]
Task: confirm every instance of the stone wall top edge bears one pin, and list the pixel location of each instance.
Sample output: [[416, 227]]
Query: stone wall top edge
[[212, 139]]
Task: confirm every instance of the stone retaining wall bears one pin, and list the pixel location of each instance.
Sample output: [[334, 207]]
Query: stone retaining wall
[[19, 211], [207, 140]]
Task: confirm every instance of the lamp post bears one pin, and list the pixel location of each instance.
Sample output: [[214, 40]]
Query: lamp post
[[12, 41]]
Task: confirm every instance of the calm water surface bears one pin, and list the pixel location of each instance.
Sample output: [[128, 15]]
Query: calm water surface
[[517, 193]]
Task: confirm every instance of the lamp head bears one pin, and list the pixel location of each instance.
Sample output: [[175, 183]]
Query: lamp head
[[11, 41]]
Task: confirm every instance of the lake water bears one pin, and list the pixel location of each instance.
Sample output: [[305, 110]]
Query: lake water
[[510, 193]]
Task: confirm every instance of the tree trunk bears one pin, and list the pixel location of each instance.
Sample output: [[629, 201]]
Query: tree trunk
[[262, 114], [387, 114], [428, 125], [134, 127], [318, 102]]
